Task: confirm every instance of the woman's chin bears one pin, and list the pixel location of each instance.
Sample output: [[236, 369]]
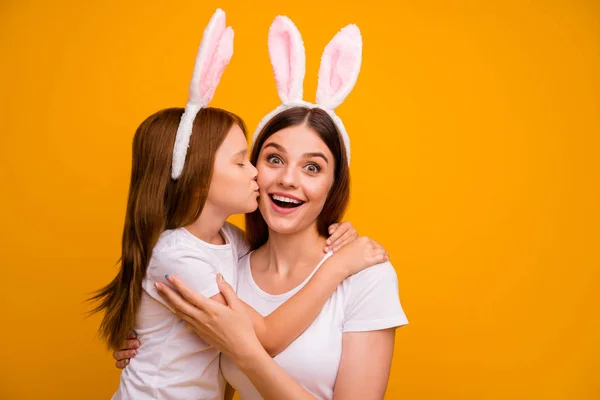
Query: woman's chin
[[283, 225]]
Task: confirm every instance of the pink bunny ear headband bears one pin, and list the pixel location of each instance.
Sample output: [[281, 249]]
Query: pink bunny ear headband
[[340, 65], [213, 56]]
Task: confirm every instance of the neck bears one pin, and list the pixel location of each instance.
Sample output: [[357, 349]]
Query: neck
[[286, 252], [208, 225]]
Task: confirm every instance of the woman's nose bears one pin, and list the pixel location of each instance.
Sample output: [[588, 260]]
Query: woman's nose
[[288, 177]]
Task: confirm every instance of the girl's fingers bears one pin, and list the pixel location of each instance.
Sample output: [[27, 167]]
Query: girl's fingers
[[343, 240], [339, 231], [332, 228]]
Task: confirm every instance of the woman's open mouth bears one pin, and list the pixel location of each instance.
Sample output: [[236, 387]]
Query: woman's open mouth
[[285, 204]]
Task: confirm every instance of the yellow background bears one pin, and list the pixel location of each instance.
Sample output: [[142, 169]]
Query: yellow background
[[474, 131]]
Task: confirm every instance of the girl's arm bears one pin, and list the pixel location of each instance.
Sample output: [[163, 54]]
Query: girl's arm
[[280, 328], [284, 325]]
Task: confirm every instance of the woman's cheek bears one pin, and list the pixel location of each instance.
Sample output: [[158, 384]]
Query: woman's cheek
[[265, 177], [317, 190]]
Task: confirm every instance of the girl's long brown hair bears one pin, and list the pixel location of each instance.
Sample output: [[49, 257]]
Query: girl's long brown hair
[[339, 194], [156, 202]]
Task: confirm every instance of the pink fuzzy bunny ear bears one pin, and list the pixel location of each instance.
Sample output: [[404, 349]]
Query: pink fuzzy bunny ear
[[340, 65], [213, 56], [286, 50]]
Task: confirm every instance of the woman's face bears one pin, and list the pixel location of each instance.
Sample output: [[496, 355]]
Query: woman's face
[[295, 174], [233, 186]]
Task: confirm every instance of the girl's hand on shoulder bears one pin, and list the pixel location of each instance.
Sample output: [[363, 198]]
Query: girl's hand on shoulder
[[340, 235], [360, 254]]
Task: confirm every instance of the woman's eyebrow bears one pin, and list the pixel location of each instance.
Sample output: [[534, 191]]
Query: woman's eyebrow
[[277, 146], [310, 155], [305, 155]]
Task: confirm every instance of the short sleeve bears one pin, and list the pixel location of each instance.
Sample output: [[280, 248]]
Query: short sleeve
[[238, 240], [196, 271], [372, 302]]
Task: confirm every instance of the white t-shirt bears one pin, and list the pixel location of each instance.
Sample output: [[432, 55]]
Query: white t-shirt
[[173, 362], [366, 301]]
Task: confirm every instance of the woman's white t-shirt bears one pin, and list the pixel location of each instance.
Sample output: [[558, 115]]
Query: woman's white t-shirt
[[173, 362], [366, 301]]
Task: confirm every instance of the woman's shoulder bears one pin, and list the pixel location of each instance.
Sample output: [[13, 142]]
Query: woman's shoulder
[[378, 281], [372, 300], [376, 273]]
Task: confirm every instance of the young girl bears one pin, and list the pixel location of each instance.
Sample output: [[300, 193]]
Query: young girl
[[189, 174]]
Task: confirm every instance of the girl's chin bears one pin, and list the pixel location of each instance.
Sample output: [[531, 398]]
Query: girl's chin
[[251, 208]]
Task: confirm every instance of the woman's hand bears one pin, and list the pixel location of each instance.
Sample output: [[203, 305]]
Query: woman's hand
[[128, 350], [358, 255], [341, 234], [225, 327]]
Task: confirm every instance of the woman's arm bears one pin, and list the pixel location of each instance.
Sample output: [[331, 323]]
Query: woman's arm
[[271, 381], [365, 366], [230, 329]]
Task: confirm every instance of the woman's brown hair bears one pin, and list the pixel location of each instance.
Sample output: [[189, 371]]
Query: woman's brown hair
[[156, 202], [339, 194]]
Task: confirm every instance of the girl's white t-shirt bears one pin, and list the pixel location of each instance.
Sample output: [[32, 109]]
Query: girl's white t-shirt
[[173, 362], [366, 301]]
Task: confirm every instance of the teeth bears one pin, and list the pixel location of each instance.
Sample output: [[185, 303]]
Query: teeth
[[286, 199]]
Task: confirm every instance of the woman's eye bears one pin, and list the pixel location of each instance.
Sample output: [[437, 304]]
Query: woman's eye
[[274, 159], [313, 168]]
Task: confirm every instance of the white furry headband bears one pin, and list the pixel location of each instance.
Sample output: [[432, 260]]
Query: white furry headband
[[340, 65], [213, 56]]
